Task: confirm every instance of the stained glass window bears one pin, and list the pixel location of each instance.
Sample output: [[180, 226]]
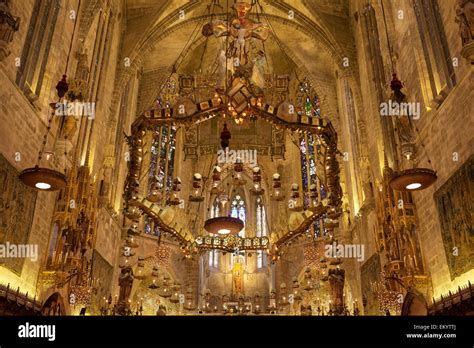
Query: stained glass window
[[261, 229], [307, 101], [162, 153], [238, 211], [308, 104]]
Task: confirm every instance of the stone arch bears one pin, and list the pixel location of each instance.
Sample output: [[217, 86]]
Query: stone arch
[[414, 304], [55, 305]]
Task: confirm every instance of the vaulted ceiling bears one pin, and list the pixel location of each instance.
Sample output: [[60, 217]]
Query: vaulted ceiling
[[315, 39]]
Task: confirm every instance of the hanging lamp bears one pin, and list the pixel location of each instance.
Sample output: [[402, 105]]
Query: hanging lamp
[[414, 179], [41, 178]]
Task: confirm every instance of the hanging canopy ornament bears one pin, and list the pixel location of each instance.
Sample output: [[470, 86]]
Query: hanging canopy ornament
[[225, 137]]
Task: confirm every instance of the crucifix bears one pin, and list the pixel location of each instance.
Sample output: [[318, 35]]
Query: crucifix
[[240, 30]]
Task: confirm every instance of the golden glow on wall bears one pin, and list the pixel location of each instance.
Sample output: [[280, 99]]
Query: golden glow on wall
[[447, 286], [8, 277]]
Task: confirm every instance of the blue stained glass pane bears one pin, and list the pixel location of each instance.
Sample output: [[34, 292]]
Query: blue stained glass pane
[[323, 192], [171, 152]]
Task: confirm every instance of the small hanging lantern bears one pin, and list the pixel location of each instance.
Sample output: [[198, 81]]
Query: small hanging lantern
[[216, 180], [175, 293], [296, 290], [154, 280], [225, 137], [139, 273], [189, 304], [257, 303], [141, 262], [308, 281], [207, 300], [175, 199], [132, 212], [283, 296], [238, 169], [165, 289], [272, 306], [62, 87], [277, 194], [313, 195], [196, 194], [396, 86], [295, 202], [257, 182], [155, 194], [133, 229]]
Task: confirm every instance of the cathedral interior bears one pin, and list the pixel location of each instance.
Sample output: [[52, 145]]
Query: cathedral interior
[[232, 157]]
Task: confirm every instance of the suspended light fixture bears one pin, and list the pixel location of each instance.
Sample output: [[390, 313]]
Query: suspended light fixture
[[414, 179], [139, 274], [216, 180], [296, 290], [224, 225], [308, 282], [283, 296], [257, 188], [155, 194], [196, 195], [176, 288], [295, 202], [276, 194], [175, 199], [154, 281], [257, 303], [273, 306], [207, 300], [43, 179], [165, 290], [225, 137], [132, 212], [189, 304], [46, 179], [238, 169], [40, 178]]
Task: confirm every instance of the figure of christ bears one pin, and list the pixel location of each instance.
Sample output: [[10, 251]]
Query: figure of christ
[[241, 29], [237, 277], [224, 66]]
